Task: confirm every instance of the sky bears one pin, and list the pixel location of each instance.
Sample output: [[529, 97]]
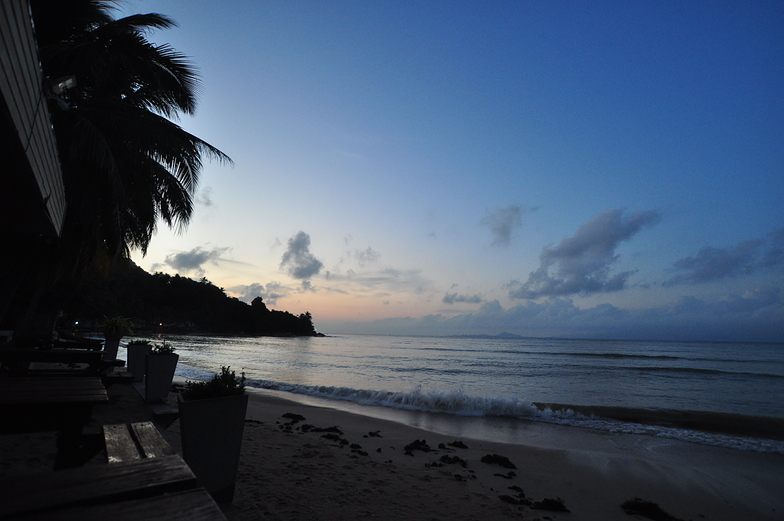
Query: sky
[[556, 169]]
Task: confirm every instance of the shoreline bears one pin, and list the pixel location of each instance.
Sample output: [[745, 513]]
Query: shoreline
[[730, 430], [765, 427], [294, 473]]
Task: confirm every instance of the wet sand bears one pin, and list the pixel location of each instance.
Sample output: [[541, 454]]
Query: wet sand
[[291, 472]]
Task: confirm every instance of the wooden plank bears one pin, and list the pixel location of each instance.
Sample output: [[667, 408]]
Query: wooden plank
[[151, 441], [119, 444], [94, 484], [192, 505]]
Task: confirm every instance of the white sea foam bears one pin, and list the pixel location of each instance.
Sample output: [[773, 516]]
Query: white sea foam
[[458, 403]]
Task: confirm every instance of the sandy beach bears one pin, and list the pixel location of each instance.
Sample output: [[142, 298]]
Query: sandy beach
[[302, 461], [291, 471]]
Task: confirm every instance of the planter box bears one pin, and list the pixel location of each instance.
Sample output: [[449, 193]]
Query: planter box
[[136, 363], [211, 432], [158, 375]]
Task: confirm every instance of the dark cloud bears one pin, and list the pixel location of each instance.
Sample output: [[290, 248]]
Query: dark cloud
[[717, 263], [712, 264], [300, 262], [502, 221], [269, 294], [774, 256], [583, 263], [191, 262], [451, 298]]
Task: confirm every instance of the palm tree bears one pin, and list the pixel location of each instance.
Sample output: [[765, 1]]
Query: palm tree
[[126, 163]]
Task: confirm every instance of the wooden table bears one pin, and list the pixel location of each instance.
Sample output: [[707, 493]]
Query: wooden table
[[17, 361], [50, 404], [152, 488]]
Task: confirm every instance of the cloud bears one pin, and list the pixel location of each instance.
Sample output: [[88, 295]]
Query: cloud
[[451, 298], [389, 280], [365, 257], [582, 263], [756, 315], [300, 262], [717, 263], [269, 294], [204, 198], [711, 264], [775, 254], [191, 261], [502, 221]]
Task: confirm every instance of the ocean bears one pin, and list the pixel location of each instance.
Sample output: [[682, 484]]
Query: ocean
[[727, 394]]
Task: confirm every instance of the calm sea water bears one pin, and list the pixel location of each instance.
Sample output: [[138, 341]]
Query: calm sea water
[[498, 377]]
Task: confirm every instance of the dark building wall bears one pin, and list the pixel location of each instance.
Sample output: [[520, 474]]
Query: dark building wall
[[31, 171], [32, 196]]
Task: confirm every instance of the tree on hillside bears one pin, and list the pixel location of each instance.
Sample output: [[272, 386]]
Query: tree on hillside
[[125, 163]]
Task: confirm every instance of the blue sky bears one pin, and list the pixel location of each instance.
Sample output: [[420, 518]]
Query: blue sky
[[610, 169]]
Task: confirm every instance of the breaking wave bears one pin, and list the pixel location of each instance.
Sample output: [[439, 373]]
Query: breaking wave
[[458, 403]]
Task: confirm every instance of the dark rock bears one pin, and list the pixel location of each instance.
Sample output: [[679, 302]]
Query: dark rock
[[441, 446], [332, 437], [497, 459], [511, 500], [312, 428], [518, 499], [457, 445], [451, 460], [356, 446], [417, 445], [295, 418], [553, 505], [508, 475], [378, 450], [458, 477], [375, 434], [647, 509]]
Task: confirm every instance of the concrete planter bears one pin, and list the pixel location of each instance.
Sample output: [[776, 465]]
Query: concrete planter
[[158, 375], [211, 432], [136, 363]]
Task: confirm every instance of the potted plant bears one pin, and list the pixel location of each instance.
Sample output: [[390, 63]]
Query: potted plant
[[159, 366], [212, 420], [137, 348], [113, 330]]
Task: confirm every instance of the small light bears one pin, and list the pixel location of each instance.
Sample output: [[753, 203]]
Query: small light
[[61, 84]]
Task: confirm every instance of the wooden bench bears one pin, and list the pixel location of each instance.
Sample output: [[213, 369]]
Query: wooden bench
[[46, 404], [189, 505], [134, 441], [94, 484], [146, 480], [55, 362]]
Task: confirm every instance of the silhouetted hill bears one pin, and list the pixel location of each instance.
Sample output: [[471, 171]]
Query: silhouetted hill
[[172, 303]]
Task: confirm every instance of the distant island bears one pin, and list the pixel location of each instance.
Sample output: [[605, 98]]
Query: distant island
[[164, 303], [499, 335]]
